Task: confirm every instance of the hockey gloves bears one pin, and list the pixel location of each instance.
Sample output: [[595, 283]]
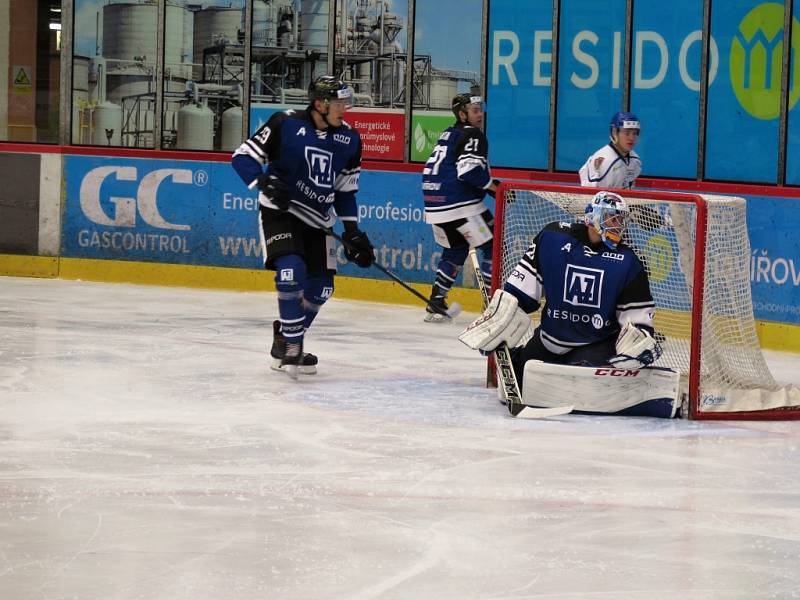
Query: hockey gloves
[[502, 321], [493, 192], [636, 348], [275, 190], [357, 247]]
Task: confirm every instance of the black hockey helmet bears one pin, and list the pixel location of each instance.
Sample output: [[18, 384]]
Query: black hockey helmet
[[461, 102], [327, 88]]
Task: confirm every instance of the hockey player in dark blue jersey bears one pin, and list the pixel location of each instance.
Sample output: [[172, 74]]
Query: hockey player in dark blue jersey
[[314, 160], [455, 180], [598, 307]]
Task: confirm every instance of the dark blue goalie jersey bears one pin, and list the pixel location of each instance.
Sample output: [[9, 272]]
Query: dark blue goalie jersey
[[590, 290], [321, 167], [456, 175]]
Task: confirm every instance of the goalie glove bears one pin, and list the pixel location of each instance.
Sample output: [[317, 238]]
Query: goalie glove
[[502, 321], [636, 348]]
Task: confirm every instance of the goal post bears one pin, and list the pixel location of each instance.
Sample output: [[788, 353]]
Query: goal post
[[696, 250]]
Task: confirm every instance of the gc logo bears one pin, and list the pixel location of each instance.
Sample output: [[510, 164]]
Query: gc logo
[[124, 214], [756, 58]]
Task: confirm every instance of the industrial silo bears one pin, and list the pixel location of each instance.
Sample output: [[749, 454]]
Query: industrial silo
[[195, 127], [231, 133], [107, 124], [314, 25], [129, 48], [212, 26], [265, 23], [442, 90]]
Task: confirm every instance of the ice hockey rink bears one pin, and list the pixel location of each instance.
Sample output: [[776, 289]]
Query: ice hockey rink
[[148, 452]]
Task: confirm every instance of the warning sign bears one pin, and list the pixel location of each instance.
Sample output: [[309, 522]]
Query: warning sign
[[21, 79]]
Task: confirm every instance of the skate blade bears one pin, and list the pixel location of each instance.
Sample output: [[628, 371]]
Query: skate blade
[[437, 318], [290, 370], [301, 369]]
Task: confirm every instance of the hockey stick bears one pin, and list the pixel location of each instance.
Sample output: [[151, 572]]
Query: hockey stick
[[502, 356], [455, 307]]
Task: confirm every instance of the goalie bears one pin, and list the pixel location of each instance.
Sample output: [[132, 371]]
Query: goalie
[[598, 309]]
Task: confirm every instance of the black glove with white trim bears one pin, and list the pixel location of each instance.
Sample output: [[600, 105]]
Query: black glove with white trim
[[275, 190], [357, 247], [493, 192]]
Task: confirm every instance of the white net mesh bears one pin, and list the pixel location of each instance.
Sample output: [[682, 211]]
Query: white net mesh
[[733, 375]]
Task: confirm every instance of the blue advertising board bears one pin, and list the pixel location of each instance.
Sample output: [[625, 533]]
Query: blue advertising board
[[793, 118], [589, 77], [201, 213], [773, 224], [665, 85], [744, 98], [518, 87]]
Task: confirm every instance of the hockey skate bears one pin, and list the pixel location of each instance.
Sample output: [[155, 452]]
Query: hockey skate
[[307, 365], [436, 310]]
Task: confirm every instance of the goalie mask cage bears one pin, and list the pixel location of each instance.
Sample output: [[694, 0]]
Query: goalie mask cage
[[697, 254]]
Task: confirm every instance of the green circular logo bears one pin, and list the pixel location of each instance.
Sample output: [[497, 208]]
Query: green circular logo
[[756, 58], [658, 251]]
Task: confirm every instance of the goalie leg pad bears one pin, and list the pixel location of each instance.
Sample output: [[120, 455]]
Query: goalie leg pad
[[651, 392], [502, 321]]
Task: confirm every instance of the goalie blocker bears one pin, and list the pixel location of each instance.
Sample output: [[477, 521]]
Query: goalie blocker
[[643, 392]]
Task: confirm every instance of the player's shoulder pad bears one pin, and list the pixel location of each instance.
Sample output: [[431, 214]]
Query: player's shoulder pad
[[281, 116], [473, 132], [559, 226], [348, 129]]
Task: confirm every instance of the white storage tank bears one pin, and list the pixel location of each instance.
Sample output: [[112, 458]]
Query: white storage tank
[[107, 124], [129, 47], [214, 23], [231, 129], [129, 30], [442, 91], [265, 23], [195, 128], [314, 25]]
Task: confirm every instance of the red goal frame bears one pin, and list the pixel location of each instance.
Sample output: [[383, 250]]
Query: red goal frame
[[698, 299]]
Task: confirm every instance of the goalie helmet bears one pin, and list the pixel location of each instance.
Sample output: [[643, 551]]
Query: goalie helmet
[[608, 214], [462, 102], [327, 88]]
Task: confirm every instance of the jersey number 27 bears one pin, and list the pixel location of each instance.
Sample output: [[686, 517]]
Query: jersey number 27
[[433, 163]]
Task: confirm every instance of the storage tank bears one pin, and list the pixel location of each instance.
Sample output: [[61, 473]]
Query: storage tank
[[231, 129], [107, 124], [195, 128], [210, 25], [314, 25], [442, 91], [129, 47], [265, 23], [129, 30]]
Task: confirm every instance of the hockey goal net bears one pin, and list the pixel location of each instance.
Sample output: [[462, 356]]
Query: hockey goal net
[[697, 254]]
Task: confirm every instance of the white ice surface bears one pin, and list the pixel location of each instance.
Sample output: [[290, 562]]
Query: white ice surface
[[147, 452]]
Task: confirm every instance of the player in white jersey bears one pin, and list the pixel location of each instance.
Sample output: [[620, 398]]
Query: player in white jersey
[[615, 165]]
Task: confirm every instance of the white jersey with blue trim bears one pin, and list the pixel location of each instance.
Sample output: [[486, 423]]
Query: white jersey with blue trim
[[608, 169], [590, 290]]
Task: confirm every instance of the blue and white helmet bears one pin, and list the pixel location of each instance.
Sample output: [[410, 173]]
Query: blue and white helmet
[[608, 214], [624, 120]]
